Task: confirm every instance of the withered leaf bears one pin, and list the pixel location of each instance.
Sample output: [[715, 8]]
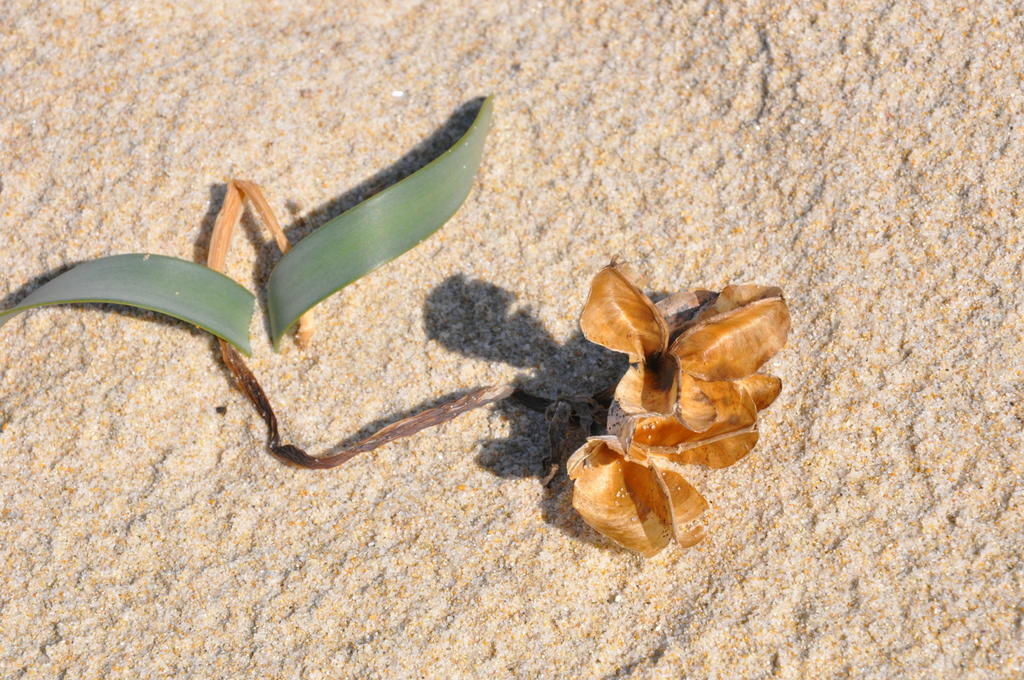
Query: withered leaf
[[224, 225]]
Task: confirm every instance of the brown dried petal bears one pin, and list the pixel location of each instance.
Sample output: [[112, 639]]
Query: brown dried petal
[[619, 499], [685, 505], [734, 410], [687, 537], [700, 400], [582, 454], [735, 344], [734, 297], [717, 453], [763, 388], [617, 315], [681, 309], [648, 389]]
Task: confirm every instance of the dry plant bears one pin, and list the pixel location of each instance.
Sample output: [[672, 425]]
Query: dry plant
[[690, 396]]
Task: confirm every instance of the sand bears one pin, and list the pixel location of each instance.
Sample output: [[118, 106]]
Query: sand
[[867, 157]]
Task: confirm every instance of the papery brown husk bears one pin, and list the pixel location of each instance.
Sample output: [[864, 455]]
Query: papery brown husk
[[639, 507], [602, 497], [695, 403], [735, 344], [617, 315]]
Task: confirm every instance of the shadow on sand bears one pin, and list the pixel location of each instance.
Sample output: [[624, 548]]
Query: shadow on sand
[[475, 318]]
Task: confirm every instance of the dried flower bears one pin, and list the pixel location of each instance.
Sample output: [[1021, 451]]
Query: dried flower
[[690, 396]]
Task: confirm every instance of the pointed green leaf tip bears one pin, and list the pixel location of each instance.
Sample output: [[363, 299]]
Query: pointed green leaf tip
[[185, 290], [376, 231]]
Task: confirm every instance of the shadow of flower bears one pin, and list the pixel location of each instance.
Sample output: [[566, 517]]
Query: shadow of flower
[[477, 319]]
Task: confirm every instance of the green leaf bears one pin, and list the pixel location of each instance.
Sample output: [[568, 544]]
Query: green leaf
[[185, 290], [377, 230]]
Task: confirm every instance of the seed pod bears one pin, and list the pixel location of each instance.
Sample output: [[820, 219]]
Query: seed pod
[[691, 397]]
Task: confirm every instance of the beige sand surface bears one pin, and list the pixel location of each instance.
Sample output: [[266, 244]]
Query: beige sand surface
[[865, 156]]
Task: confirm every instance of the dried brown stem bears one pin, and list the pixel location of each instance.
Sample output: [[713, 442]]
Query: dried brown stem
[[449, 410], [252, 192], [227, 218], [403, 428], [246, 382]]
